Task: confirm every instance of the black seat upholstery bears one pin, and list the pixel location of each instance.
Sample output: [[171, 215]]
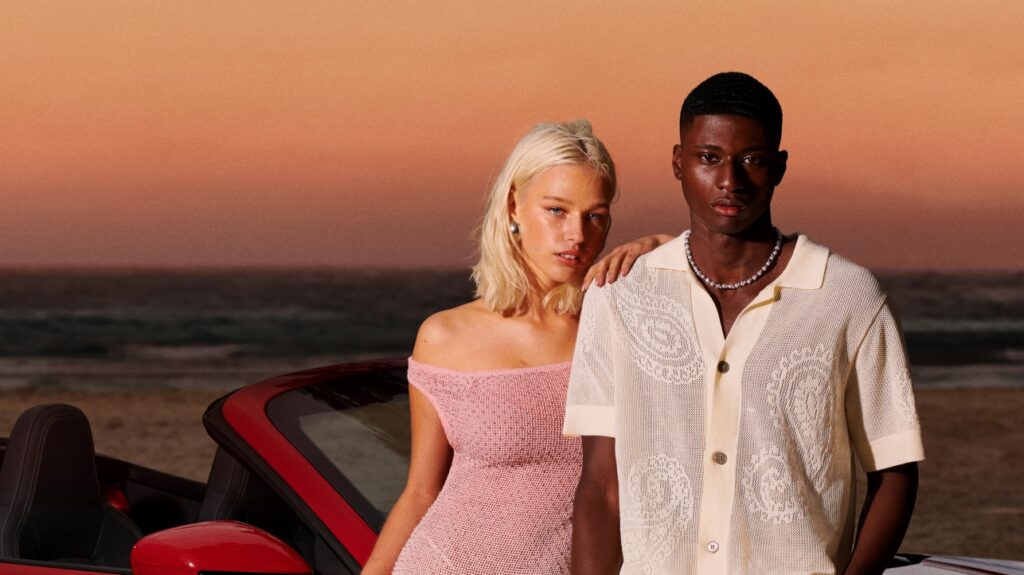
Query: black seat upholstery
[[233, 492], [50, 503], [226, 490]]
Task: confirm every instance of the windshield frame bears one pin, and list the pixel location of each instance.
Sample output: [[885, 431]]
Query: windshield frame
[[359, 388]]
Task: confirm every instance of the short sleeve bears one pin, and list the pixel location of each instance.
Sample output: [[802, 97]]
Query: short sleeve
[[590, 402], [881, 414], [436, 385]]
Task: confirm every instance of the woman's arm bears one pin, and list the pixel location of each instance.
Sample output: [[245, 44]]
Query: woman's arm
[[431, 456], [428, 467], [620, 260]]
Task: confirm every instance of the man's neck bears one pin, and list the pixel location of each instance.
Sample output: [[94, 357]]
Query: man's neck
[[732, 258]]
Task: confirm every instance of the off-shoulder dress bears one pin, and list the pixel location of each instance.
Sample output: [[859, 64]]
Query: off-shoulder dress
[[506, 505]]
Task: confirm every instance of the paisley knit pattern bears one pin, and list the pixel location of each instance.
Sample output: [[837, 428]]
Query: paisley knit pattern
[[735, 450], [506, 506]]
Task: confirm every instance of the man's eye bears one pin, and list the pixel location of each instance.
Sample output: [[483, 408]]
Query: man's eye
[[754, 160], [707, 158]]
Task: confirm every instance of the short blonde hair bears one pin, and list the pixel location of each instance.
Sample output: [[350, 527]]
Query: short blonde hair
[[500, 274]]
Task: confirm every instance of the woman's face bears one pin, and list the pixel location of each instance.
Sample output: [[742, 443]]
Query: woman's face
[[563, 215]]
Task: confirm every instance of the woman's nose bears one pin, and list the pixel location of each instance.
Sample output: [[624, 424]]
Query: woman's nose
[[574, 228]]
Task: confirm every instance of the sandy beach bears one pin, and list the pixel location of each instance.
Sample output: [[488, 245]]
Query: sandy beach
[[971, 500]]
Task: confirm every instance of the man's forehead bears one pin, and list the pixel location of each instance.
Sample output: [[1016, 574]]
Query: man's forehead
[[714, 126]]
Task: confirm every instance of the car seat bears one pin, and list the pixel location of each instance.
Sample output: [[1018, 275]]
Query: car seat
[[51, 508], [235, 493]]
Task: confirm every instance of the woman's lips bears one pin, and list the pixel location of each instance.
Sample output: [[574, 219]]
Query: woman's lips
[[571, 259]]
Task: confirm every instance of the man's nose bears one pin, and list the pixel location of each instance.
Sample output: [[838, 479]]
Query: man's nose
[[729, 176]]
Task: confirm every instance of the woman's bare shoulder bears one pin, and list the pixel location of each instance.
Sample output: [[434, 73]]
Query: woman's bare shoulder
[[448, 338]]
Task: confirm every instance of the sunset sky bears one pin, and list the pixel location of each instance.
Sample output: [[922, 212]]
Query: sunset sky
[[364, 134]]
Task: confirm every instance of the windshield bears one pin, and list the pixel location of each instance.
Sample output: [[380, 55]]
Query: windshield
[[355, 432]]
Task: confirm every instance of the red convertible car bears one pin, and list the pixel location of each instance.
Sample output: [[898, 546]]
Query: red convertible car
[[307, 467]]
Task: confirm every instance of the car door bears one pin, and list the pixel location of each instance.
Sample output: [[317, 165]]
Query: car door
[[332, 444]]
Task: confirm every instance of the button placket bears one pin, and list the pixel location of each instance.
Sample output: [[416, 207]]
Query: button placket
[[724, 407]]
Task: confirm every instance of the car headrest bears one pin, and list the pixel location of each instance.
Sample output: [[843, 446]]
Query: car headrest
[[50, 504]]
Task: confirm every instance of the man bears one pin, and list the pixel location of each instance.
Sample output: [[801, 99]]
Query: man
[[724, 386]]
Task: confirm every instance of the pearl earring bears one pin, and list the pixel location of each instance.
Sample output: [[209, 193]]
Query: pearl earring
[[513, 227]]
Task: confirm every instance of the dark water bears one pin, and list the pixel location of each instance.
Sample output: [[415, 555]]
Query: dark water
[[103, 329]]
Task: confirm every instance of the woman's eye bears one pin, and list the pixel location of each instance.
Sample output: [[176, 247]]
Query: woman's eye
[[598, 218], [556, 211]]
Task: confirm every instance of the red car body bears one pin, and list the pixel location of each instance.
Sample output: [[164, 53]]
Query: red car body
[[245, 412], [300, 485], [242, 426]]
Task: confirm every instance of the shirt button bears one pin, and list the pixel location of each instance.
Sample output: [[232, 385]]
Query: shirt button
[[723, 367], [719, 458], [712, 546]]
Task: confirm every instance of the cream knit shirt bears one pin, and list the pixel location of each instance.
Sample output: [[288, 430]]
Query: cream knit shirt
[[735, 454]]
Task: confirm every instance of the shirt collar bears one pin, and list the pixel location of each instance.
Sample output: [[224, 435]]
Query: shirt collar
[[805, 270]]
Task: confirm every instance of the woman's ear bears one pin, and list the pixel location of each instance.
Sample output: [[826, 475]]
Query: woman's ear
[[512, 204]]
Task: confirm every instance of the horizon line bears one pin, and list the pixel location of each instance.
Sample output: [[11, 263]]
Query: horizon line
[[298, 267]]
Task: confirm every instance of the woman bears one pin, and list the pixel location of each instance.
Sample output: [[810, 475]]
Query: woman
[[491, 478]]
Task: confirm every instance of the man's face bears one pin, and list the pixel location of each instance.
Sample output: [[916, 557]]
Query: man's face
[[728, 172]]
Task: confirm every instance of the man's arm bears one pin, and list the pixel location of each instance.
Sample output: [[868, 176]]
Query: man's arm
[[884, 518], [596, 548]]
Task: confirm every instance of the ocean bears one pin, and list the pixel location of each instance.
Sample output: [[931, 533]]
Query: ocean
[[220, 329]]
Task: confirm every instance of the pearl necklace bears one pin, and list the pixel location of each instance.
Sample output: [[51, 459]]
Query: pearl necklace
[[744, 283]]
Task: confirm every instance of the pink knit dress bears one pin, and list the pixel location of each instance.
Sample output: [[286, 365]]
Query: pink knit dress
[[506, 506]]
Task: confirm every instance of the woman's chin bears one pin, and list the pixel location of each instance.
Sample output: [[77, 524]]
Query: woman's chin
[[563, 280]]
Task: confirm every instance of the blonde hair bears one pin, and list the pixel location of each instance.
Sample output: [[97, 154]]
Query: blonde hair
[[502, 280]]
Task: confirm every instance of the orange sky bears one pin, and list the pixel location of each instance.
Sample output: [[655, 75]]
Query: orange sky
[[323, 133]]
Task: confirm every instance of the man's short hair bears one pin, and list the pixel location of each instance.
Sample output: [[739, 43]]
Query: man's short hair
[[734, 93]]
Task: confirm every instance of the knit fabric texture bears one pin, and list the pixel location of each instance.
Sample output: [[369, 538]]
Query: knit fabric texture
[[506, 505], [735, 453]]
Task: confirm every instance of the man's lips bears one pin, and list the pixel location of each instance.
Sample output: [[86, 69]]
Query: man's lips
[[727, 208]]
